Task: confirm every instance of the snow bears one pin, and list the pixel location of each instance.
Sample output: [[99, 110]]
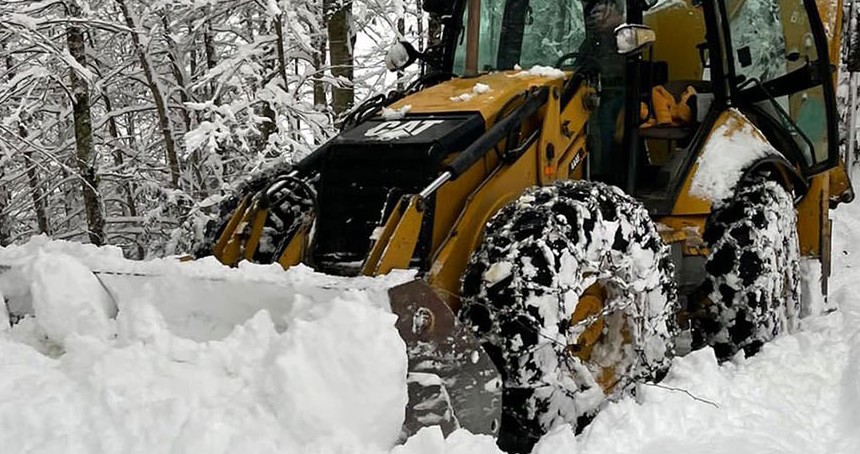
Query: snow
[[812, 300], [4, 314], [541, 71], [334, 353], [429, 440], [146, 389], [462, 97], [23, 20], [785, 400], [497, 272], [558, 440], [477, 90], [396, 57], [328, 375], [730, 148], [68, 299], [395, 114], [480, 88]]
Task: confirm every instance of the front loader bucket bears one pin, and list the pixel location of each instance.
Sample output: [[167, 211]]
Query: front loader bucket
[[452, 381]]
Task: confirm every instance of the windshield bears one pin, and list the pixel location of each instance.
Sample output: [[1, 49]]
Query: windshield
[[539, 32]]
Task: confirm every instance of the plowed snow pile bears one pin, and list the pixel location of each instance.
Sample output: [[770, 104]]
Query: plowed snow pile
[[75, 379], [325, 372]]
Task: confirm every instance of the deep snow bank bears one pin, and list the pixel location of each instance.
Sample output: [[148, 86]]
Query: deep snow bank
[[131, 384]]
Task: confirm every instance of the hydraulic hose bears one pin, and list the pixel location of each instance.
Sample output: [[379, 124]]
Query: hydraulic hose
[[535, 99]]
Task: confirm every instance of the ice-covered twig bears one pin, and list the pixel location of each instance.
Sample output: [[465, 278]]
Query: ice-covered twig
[[692, 396]]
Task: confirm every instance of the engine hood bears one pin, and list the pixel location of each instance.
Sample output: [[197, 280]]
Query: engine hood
[[486, 94]]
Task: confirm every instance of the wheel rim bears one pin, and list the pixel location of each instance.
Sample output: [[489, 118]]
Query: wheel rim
[[591, 346], [590, 304]]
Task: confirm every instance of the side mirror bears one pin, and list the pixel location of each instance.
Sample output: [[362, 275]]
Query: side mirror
[[632, 39], [401, 55]]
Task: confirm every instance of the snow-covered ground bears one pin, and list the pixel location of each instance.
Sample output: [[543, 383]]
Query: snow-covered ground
[[325, 372]]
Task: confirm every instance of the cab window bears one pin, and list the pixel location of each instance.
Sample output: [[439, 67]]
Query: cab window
[[772, 42], [524, 33]]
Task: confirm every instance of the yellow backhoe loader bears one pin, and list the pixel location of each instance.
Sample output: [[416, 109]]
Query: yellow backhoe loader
[[576, 183]]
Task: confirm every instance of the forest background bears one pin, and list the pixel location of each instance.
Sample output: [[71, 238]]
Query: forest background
[[126, 122]]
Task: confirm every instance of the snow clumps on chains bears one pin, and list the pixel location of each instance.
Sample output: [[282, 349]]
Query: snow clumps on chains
[[521, 288]]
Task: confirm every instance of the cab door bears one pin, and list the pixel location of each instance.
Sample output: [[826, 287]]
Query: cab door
[[780, 75]]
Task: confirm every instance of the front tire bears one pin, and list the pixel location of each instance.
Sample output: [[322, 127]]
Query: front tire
[[539, 257]]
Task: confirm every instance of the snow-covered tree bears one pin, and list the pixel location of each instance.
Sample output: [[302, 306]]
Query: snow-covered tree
[[126, 121]]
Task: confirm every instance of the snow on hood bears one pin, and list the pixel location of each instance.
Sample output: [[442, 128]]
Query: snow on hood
[[541, 71], [730, 148]]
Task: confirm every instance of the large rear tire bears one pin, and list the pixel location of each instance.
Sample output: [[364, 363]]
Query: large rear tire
[[540, 255], [752, 285]]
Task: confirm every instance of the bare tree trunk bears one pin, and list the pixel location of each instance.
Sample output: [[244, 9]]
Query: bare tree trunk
[[5, 199], [420, 30], [5, 196], [318, 42], [211, 55], [852, 29], [198, 185], [192, 52], [176, 68], [127, 186], [282, 58], [401, 30], [5, 224], [320, 99], [192, 59], [124, 185], [85, 154], [129, 208], [851, 46], [264, 109], [39, 203], [209, 45], [339, 14], [157, 95]]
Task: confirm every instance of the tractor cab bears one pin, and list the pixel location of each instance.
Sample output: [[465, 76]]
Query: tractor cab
[[767, 59]]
